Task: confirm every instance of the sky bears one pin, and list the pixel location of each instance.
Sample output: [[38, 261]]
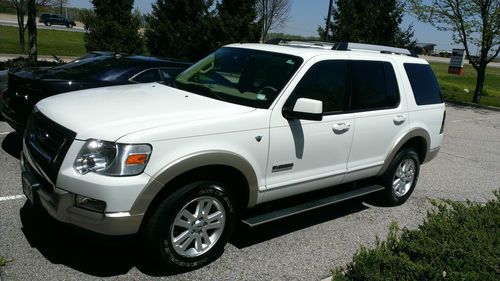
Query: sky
[[307, 15]]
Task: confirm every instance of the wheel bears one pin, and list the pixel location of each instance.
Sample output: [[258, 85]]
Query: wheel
[[191, 227], [48, 23], [401, 177]]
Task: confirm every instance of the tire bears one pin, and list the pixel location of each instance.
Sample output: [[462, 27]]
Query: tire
[[48, 23], [405, 168], [178, 218]]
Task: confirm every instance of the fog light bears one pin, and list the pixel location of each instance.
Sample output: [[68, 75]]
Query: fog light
[[90, 203]]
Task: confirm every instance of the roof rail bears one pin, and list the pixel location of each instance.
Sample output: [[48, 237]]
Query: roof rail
[[347, 46], [301, 43]]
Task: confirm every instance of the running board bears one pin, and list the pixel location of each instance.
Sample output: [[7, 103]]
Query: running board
[[311, 205]]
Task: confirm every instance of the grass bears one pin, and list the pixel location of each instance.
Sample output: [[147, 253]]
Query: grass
[[50, 42], [453, 86], [3, 261], [457, 241]]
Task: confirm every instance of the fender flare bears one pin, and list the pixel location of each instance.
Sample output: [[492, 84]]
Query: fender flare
[[418, 132], [160, 180]]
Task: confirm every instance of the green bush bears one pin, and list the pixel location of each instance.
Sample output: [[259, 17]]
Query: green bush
[[456, 242], [3, 261], [22, 62]]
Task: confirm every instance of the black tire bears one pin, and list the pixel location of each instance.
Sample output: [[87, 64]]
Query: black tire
[[160, 229], [48, 23], [392, 195]]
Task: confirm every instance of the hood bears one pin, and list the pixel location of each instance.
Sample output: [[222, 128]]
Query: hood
[[112, 112]]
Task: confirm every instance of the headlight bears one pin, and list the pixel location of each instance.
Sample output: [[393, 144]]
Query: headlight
[[112, 159]]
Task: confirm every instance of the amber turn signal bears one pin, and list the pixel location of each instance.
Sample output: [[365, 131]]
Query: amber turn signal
[[136, 159]]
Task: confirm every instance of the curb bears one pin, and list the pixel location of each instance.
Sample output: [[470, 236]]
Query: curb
[[470, 104]]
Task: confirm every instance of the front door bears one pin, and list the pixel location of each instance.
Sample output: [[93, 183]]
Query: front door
[[305, 155]]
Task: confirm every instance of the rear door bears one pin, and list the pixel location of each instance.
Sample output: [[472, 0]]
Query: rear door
[[380, 113]]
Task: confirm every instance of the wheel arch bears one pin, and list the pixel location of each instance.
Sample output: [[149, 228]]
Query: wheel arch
[[230, 167], [418, 139]]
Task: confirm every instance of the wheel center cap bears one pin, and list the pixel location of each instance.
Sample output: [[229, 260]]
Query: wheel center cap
[[198, 224]]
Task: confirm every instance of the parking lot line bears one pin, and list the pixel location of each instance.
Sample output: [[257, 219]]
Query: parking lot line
[[12, 197]]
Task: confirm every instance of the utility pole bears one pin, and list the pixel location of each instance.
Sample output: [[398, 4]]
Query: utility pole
[[61, 7], [328, 18]]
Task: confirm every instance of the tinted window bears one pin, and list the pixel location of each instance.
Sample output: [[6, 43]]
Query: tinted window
[[170, 73], [324, 81], [392, 89], [374, 85], [147, 76], [423, 83]]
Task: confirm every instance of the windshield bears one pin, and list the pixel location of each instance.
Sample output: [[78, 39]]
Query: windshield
[[247, 77]]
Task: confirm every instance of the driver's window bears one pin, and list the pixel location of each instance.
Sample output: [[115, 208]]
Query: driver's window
[[324, 81]]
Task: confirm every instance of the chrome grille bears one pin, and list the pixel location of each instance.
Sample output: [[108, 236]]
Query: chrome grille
[[47, 143]]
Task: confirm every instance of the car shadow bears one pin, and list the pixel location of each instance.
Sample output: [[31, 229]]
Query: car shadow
[[106, 256], [13, 144]]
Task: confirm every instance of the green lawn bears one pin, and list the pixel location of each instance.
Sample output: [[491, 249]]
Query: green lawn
[[453, 86], [50, 42]]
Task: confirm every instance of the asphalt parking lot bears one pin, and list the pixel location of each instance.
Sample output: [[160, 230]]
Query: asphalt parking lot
[[304, 247]]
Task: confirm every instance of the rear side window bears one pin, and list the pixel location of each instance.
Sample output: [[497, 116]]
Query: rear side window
[[423, 83], [324, 81], [374, 85]]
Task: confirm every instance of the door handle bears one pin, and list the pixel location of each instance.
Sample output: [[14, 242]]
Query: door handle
[[341, 128], [399, 119]]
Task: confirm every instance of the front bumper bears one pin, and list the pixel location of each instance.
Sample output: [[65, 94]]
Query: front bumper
[[60, 204]]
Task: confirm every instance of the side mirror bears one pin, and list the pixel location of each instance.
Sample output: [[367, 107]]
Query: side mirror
[[307, 109]]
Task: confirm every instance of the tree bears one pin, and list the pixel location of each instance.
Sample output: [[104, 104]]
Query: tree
[[272, 14], [21, 9], [33, 53], [235, 22], [473, 22], [370, 21], [180, 29], [112, 27]]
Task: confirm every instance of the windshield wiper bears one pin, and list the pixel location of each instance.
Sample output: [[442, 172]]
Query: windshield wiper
[[204, 89]]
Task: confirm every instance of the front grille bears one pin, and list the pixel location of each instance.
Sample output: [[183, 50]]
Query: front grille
[[47, 143]]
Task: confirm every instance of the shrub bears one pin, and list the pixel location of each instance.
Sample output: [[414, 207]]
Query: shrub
[[458, 241], [3, 261], [22, 62]]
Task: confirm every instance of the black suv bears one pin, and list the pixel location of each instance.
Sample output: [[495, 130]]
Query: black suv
[[50, 19]]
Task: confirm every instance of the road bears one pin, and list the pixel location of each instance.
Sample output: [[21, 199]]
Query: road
[[304, 247], [43, 26], [11, 20]]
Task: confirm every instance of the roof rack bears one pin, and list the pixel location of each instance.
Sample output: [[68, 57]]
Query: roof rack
[[302, 43], [340, 46], [347, 46]]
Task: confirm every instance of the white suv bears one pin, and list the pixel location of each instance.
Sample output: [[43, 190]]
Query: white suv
[[249, 124]]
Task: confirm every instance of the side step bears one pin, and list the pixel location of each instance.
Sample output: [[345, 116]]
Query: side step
[[311, 205]]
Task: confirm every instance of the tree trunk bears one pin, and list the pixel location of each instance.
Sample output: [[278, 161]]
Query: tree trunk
[[20, 24], [21, 40], [33, 55], [481, 74]]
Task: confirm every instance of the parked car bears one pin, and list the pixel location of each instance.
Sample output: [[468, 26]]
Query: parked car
[[50, 19], [247, 125], [27, 87]]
